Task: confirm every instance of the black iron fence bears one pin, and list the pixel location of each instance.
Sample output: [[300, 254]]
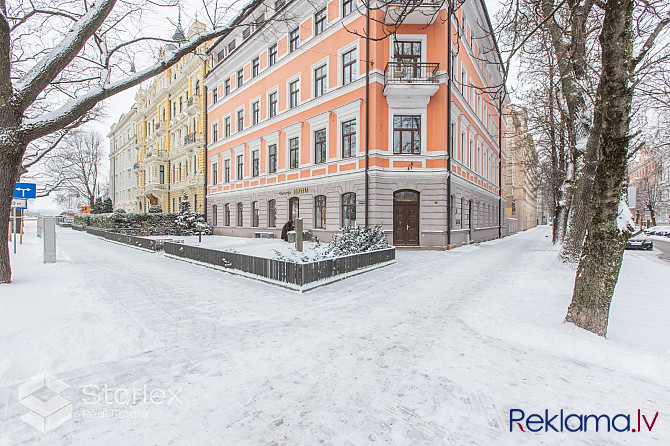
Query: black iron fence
[[140, 242], [279, 270], [410, 72]]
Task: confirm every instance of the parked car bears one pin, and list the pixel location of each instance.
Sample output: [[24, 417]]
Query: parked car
[[650, 231], [663, 231], [640, 241]]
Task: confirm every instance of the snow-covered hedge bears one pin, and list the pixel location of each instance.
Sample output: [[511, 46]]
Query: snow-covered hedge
[[354, 240], [116, 220], [189, 223]]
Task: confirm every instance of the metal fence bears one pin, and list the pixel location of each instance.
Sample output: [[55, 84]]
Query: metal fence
[[140, 242], [279, 270]]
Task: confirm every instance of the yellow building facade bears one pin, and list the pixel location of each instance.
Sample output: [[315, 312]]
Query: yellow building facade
[[169, 123]]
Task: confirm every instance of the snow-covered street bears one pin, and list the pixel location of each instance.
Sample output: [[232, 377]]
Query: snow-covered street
[[435, 349]]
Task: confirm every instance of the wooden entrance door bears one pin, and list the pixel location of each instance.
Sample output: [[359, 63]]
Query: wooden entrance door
[[406, 218]]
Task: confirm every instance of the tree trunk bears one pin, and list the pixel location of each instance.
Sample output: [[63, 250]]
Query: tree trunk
[[10, 161], [652, 214], [579, 213], [602, 254]]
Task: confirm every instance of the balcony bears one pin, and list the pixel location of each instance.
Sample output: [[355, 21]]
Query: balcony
[[407, 84], [159, 130], [154, 189], [156, 155], [412, 12], [190, 138]]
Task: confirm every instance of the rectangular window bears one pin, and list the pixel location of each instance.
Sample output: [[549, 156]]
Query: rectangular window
[[215, 131], [215, 173], [349, 138], [226, 214], [240, 167], [320, 77], [226, 87], [231, 46], [294, 39], [272, 213], [254, 214], [240, 218], [240, 120], [294, 93], [255, 67], [255, 112], [294, 152], [348, 67], [319, 21], [161, 173], [272, 104], [272, 55], [215, 216], [348, 209], [406, 134], [320, 146], [320, 212], [272, 158], [226, 171], [347, 7], [240, 77], [246, 32], [255, 163], [215, 95], [226, 126]]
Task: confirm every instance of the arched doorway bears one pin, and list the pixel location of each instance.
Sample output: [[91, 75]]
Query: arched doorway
[[406, 218]]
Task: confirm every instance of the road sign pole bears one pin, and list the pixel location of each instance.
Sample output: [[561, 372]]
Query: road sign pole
[[14, 228]]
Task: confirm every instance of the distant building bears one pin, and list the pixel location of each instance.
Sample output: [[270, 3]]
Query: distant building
[[649, 173], [522, 165], [287, 123], [166, 153]]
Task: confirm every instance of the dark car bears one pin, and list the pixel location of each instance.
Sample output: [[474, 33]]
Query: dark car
[[640, 241]]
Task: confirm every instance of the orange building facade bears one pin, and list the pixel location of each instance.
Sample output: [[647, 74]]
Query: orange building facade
[[286, 123]]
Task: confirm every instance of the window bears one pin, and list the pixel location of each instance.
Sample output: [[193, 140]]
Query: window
[[226, 214], [347, 7], [215, 216], [255, 66], [349, 138], [181, 104], [254, 214], [293, 153], [272, 158], [231, 46], [294, 208], [226, 126], [406, 134], [272, 55], [319, 21], [215, 173], [320, 146], [320, 76], [215, 95], [272, 213], [240, 120], [161, 175], [348, 209], [226, 87], [240, 218], [240, 77], [272, 104], [215, 131], [294, 39], [240, 167], [246, 32], [255, 112], [348, 67], [255, 163], [279, 4], [320, 212], [294, 93], [197, 87], [226, 171]]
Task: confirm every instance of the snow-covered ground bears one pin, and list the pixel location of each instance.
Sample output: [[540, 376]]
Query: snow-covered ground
[[435, 349]]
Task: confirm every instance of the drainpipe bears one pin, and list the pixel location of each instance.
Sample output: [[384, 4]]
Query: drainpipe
[[205, 160], [449, 135], [500, 185], [367, 113]]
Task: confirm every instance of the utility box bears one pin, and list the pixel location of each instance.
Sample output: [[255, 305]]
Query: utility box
[[49, 238]]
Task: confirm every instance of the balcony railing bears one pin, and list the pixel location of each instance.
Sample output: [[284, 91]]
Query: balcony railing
[[189, 138], [414, 3], [157, 153], [411, 73]]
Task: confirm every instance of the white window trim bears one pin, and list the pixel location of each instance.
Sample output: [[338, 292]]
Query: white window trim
[[251, 111], [289, 81], [223, 127], [270, 138], [340, 64], [423, 38], [318, 122], [345, 113], [423, 112], [274, 89], [237, 130], [325, 61], [218, 137], [290, 132]]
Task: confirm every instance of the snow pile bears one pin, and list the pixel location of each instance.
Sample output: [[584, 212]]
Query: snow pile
[[624, 219]]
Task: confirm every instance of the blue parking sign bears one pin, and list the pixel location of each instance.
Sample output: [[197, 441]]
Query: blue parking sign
[[25, 190]]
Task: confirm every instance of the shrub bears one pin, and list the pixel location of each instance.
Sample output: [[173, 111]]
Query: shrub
[[155, 209], [354, 240]]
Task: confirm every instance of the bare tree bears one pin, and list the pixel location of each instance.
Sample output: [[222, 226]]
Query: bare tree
[[58, 62]]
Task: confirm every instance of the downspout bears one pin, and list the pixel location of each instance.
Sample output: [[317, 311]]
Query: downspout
[[367, 113], [205, 160], [449, 136], [500, 185]]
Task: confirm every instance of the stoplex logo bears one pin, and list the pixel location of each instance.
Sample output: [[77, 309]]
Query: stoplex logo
[[573, 422], [44, 414]]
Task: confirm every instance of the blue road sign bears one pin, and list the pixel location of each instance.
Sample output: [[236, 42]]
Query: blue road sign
[[25, 190]]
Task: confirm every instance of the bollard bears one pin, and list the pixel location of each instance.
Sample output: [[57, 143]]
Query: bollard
[[49, 239], [39, 227], [298, 234]]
